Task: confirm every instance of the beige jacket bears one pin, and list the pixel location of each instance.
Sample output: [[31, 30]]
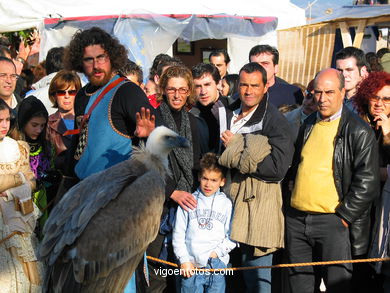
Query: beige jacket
[[257, 218], [13, 165], [16, 180]]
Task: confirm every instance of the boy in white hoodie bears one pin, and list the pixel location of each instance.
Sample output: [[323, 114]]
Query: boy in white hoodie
[[201, 236]]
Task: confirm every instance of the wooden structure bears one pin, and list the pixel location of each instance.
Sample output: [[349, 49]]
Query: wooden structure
[[305, 50]]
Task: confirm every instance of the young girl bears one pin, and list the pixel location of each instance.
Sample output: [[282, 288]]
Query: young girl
[[32, 121], [20, 270]]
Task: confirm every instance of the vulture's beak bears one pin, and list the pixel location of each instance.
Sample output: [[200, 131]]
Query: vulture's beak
[[180, 142]]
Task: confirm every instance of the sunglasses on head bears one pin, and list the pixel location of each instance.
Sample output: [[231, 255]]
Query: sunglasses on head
[[64, 92]]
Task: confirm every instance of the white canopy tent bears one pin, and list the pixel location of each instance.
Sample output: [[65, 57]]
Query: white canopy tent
[[260, 16]]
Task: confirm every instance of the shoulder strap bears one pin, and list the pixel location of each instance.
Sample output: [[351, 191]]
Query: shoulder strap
[[95, 103]]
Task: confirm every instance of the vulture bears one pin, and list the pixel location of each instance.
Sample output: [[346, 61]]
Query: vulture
[[97, 234]]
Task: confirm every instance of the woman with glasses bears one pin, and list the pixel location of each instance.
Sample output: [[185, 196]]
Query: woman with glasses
[[176, 95], [372, 101], [62, 92]]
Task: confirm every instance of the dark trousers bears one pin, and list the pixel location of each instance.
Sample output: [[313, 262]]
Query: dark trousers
[[317, 237], [158, 283]]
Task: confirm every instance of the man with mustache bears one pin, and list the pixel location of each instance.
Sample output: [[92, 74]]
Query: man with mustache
[[105, 109], [335, 172]]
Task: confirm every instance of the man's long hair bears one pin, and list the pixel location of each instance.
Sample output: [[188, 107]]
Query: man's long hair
[[94, 36]]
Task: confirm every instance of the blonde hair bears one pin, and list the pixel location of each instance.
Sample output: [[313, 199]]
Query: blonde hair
[[175, 72]]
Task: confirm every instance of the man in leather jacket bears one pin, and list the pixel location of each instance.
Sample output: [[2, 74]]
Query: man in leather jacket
[[336, 178]]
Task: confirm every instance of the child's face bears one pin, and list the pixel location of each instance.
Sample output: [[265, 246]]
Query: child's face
[[5, 119], [34, 127], [210, 181]]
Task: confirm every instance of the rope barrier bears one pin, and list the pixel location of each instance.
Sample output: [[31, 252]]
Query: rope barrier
[[303, 264]]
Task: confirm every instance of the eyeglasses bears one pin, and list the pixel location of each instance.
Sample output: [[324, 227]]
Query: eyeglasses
[[172, 90], [375, 99], [64, 92], [101, 59], [308, 95], [5, 76]]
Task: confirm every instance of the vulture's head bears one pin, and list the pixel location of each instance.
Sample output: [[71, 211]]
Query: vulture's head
[[162, 140]]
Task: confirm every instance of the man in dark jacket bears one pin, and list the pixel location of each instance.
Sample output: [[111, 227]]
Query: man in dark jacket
[[8, 79], [210, 105], [336, 179], [262, 223], [280, 92]]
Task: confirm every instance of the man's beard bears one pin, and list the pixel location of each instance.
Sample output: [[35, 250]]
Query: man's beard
[[98, 81]]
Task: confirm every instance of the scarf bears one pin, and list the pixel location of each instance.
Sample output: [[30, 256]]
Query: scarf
[[181, 160]]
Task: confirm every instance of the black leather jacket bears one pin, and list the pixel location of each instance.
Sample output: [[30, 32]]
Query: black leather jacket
[[355, 172]]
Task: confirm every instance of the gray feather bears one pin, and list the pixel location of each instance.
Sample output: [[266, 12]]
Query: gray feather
[[98, 232]]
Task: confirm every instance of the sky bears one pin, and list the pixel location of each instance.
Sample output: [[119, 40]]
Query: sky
[[319, 7]]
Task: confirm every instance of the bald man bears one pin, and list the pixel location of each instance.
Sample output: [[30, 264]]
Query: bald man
[[336, 178]]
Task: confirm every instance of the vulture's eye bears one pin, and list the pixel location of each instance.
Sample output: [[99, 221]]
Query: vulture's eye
[[168, 137]]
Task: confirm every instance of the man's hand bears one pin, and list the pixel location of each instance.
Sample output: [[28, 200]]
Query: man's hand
[[145, 123], [213, 255], [184, 199], [226, 137], [187, 269]]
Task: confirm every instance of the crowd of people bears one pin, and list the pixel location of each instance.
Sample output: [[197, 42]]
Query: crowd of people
[[275, 172]]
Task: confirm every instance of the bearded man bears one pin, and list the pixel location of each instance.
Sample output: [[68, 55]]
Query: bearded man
[[106, 110], [106, 107]]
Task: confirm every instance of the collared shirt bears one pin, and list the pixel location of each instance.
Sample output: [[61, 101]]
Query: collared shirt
[[331, 118], [303, 116], [349, 104], [14, 102], [235, 126]]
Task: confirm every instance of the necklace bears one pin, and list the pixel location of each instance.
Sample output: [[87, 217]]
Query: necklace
[[205, 223], [90, 94]]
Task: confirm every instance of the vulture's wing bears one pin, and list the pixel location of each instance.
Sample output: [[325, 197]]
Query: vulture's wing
[[105, 255], [70, 216]]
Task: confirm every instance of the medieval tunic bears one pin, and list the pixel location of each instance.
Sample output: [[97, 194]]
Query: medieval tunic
[[20, 271]]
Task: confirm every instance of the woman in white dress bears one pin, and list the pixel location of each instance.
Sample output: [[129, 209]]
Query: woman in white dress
[[19, 269]]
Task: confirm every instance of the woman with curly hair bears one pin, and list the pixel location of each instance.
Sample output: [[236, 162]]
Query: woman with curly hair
[[175, 95], [372, 101]]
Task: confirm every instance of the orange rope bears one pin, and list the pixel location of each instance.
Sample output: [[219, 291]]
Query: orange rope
[[303, 264]]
